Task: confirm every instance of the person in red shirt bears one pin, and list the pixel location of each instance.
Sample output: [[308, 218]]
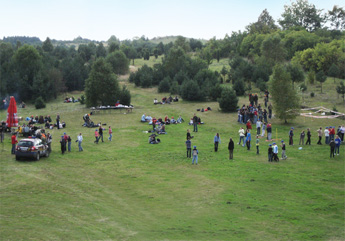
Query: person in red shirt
[[110, 133], [14, 142], [331, 132], [249, 125]]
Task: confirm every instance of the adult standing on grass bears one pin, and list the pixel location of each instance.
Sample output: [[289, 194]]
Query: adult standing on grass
[[58, 120], [195, 123], [258, 127], [63, 144], [80, 140], [257, 143], [319, 133], [14, 142], [248, 139], [337, 141], [110, 133], [332, 145], [331, 132], [301, 138], [263, 128], [270, 108], [270, 153], [241, 132], [216, 141], [231, 148], [275, 152], [308, 136], [195, 156], [2, 130], [342, 132], [188, 135], [284, 156], [326, 136], [269, 131], [189, 147], [69, 142], [291, 136], [100, 131], [249, 125]]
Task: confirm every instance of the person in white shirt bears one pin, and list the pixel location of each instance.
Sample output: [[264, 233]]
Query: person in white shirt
[[326, 136], [258, 127], [80, 140], [241, 132]]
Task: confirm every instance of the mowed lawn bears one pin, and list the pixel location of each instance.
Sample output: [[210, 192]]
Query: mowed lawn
[[128, 189]]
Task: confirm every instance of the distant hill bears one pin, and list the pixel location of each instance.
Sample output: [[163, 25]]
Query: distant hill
[[168, 39]]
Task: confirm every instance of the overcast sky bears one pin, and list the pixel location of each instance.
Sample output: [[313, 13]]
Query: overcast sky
[[99, 19]]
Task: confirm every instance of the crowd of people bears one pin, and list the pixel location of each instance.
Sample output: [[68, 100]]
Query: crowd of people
[[165, 100]]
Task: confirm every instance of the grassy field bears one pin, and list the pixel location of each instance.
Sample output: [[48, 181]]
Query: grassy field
[[128, 189]]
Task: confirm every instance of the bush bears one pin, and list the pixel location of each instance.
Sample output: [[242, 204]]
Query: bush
[[190, 91], [164, 85], [239, 87], [228, 100], [125, 96], [82, 99], [261, 84], [39, 103], [312, 94]]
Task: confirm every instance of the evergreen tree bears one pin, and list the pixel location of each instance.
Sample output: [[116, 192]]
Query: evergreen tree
[[320, 77], [286, 102], [341, 89], [333, 71], [228, 100], [101, 88], [125, 96], [164, 85]]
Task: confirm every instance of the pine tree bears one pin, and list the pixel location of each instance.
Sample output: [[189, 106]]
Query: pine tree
[[284, 97], [228, 100]]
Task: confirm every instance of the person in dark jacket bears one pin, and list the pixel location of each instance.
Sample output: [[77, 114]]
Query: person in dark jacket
[[270, 153], [100, 132], [291, 136], [332, 145], [231, 148], [308, 137], [195, 123], [63, 144]]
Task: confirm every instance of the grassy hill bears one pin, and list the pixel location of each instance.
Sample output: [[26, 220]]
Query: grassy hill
[[128, 189]]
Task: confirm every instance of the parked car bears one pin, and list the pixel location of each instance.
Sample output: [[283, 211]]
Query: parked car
[[32, 148]]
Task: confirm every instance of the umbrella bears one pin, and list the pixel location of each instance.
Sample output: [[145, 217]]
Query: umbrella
[[12, 119]]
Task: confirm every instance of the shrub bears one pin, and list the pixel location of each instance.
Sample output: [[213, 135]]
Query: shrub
[[228, 100], [312, 94], [82, 99], [174, 88], [164, 85], [39, 103], [215, 92], [190, 91], [239, 87]]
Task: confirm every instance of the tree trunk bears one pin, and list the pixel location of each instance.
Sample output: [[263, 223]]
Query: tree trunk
[[285, 121]]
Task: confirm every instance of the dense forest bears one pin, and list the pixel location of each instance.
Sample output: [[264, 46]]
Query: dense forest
[[306, 40]]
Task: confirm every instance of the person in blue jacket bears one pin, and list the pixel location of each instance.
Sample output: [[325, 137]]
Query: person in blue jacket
[[337, 145], [216, 141], [248, 139]]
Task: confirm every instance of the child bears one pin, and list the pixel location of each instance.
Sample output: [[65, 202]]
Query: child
[[270, 153], [96, 136], [110, 133], [257, 144], [189, 147], [284, 156], [195, 156]]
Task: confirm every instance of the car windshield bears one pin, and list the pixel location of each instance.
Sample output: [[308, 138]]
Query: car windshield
[[25, 143]]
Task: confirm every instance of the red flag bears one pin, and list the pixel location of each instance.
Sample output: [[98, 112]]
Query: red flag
[[12, 119]]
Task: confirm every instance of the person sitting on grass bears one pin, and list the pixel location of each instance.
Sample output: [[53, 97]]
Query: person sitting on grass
[[173, 121], [143, 118], [180, 120]]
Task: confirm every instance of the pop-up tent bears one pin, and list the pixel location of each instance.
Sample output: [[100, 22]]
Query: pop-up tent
[[12, 118]]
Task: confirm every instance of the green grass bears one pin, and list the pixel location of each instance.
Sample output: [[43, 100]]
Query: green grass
[[130, 190]]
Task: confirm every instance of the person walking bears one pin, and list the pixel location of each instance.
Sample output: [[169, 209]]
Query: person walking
[[100, 131], [110, 133], [69, 142], [291, 136], [301, 138], [195, 123], [319, 133], [248, 139], [189, 147], [14, 142], [270, 153], [80, 140], [308, 137], [332, 145], [195, 156], [231, 148], [337, 142], [284, 156], [241, 132], [257, 142], [216, 141]]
